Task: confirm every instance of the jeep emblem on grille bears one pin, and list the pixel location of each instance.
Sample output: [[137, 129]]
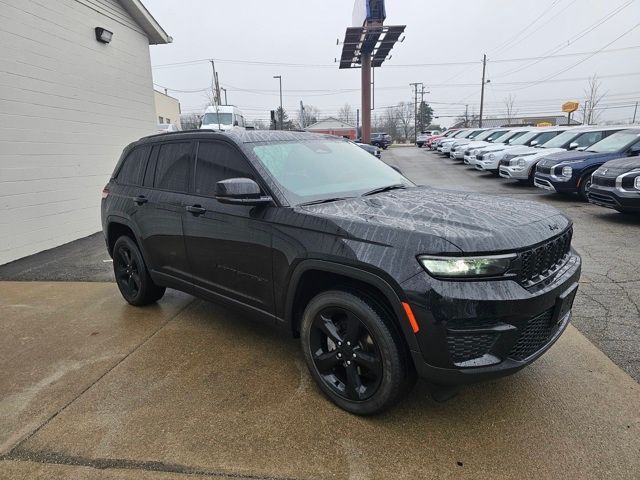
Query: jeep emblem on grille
[[554, 227]]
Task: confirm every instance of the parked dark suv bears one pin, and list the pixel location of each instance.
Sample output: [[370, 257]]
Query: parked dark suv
[[380, 278], [382, 140]]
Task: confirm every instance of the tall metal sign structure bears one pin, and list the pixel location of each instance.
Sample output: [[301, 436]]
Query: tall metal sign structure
[[366, 46]]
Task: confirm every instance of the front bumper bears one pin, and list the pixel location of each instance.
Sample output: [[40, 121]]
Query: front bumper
[[515, 172], [487, 165], [553, 183], [457, 155], [611, 197], [477, 330]]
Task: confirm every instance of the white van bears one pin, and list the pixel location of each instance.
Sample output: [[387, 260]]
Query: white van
[[224, 117]]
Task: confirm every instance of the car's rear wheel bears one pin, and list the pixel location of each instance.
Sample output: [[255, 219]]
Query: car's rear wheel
[[133, 279], [354, 353]]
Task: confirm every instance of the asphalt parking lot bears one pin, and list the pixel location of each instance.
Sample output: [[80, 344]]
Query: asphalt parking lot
[[93, 388]]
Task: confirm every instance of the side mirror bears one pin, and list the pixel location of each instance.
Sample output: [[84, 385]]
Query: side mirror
[[573, 145], [235, 123], [534, 143], [240, 191]]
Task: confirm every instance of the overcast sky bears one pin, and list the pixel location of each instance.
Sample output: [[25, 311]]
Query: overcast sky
[[249, 40]]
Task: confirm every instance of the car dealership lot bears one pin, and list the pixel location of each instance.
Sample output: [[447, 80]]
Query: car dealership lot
[[188, 387]]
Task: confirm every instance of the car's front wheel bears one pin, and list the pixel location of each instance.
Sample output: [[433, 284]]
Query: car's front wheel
[[583, 189], [354, 352], [133, 279]]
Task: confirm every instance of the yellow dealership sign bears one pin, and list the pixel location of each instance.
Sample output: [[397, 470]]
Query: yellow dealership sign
[[570, 107]]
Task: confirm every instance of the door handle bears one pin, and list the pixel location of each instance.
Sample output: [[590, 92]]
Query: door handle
[[140, 199], [196, 210]]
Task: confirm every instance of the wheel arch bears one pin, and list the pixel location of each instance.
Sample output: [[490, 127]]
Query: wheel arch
[[311, 277], [118, 226]]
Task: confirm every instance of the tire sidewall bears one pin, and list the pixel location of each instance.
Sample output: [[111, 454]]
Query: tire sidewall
[[392, 360]]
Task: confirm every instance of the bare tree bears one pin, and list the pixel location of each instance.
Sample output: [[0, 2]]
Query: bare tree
[[404, 113], [510, 111], [590, 111], [260, 125], [346, 115], [190, 121], [311, 116]]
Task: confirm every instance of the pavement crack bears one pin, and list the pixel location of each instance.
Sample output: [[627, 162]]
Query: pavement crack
[[55, 458]]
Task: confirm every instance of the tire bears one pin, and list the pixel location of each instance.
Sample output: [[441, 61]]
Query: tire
[[133, 279], [354, 352], [583, 189]]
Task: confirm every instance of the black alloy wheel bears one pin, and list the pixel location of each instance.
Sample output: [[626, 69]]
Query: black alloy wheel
[[132, 276], [354, 352], [344, 354]]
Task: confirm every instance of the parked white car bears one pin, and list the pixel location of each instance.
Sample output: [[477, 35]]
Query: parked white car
[[222, 117], [499, 142], [445, 146], [459, 148], [490, 162], [521, 165], [424, 136]]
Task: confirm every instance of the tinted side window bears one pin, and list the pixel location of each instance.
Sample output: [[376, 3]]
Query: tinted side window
[[131, 170], [173, 167], [219, 161]]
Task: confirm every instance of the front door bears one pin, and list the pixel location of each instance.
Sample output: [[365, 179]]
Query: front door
[[228, 246]]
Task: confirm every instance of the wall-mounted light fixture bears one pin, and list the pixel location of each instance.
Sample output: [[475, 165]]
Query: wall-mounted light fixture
[[103, 35]]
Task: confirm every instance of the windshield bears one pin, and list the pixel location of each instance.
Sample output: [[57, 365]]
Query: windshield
[[484, 135], [212, 118], [508, 136], [496, 135], [320, 169], [461, 134], [561, 140], [616, 142], [474, 134], [523, 139]]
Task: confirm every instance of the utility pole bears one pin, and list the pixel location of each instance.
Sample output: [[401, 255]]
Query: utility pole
[[415, 113], [365, 87], [302, 119], [279, 77], [634, 113], [466, 115], [216, 92], [358, 124], [484, 68], [225, 95]]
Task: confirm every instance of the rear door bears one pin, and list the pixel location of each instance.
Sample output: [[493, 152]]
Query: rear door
[[229, 246], [166, 181]]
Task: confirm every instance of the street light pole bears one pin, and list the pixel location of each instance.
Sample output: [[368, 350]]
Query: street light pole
[[281, 114], [225, 95], [484, 68]]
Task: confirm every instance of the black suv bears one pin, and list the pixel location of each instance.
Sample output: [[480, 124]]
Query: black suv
[[380, 278], [381, 140]]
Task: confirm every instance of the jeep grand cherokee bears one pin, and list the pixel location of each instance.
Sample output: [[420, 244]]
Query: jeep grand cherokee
[[380, 278]]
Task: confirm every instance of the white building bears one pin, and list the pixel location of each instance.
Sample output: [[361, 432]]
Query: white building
[[69, 103]]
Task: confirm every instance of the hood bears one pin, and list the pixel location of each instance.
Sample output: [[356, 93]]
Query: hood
[[496, 147], [575, 156], [619, 166], [478, 144], [474, 223]]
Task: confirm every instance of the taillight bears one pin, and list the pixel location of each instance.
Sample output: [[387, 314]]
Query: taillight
[[105, 191]]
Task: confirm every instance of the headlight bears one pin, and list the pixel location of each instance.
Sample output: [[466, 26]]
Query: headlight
[[467, 267], [475, 152], [491, 156], [636, 183], [567, 171], [521, 162]]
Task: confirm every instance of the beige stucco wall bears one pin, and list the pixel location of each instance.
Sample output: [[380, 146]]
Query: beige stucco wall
[[68, 106], [167, 107]]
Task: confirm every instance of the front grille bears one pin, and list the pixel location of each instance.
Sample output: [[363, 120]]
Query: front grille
[[504, 162], [536, 335], [479, 157], [543, 169], [604, 181], [467, 152], [539, 262], [467, 346]]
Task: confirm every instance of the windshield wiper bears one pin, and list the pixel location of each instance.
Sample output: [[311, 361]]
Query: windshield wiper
[[385, 189], [323, 200]]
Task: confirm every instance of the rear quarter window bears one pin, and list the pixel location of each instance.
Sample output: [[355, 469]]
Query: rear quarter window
[[130, 172]]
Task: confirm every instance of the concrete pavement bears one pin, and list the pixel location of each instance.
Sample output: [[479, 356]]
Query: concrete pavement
[[93, 388]]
